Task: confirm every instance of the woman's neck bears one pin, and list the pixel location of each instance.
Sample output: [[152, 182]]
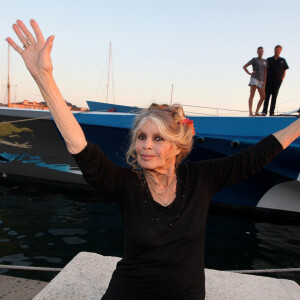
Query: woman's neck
[[161, 178]]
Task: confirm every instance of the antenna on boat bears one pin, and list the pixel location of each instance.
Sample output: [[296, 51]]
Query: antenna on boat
[[8, 81], [171, 95], [109, 63]]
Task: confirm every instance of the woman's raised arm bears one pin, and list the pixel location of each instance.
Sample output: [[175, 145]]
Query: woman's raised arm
[[36, 55], [287, 135]]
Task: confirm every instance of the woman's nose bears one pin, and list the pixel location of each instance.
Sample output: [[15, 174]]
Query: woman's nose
[[148, 144]]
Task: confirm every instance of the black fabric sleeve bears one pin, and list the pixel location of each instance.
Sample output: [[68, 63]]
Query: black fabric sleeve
[[101, 173], [219, 173]]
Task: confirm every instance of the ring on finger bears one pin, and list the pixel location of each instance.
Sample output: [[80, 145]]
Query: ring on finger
[[26, 45]]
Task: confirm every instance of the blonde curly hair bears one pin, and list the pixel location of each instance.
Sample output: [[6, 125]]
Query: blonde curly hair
[[170, 122]]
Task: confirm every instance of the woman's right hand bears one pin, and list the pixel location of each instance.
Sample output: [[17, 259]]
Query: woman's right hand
[[254, 72], [38, 61], [36, 55]]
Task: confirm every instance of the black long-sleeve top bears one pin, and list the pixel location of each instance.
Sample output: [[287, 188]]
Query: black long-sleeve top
[[164, 246]]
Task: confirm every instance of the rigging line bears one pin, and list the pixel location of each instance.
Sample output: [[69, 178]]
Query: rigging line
[[112, 78], [215, 108], [109, 64], [2, 66], [210, 114], [5, 96], [102, 95], [1, 92], [102, 76], [231, 115], [203, 114]]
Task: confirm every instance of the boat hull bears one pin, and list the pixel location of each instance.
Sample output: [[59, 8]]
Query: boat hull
[[34, 148]]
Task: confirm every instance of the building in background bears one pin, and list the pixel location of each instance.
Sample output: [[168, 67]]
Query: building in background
[[26, 104]]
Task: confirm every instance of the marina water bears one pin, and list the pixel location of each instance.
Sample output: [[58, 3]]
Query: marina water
[[47, 226]]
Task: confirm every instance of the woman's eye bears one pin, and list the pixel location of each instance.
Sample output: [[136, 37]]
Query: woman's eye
[[158, 139], [141, 137]]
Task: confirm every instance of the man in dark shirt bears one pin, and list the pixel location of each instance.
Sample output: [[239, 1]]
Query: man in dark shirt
[[276, 72]]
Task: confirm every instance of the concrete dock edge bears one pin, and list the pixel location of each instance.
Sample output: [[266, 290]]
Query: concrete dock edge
[[88, 274]]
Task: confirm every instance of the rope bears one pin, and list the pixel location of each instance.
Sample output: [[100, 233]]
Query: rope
[[12, 267], [27, 268], [221, 109], [266, 271], [215, 108]]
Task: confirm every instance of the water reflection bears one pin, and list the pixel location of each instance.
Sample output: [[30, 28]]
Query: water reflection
[[278, 243], [39, 227], [236, 242]]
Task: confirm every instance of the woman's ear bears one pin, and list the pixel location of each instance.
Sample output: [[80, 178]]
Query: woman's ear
[[177, 150]]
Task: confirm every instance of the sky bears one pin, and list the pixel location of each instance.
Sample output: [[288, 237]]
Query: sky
[[199, 47]]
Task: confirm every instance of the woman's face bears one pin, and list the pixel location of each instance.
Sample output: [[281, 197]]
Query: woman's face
[[260, 52], [153, 152]]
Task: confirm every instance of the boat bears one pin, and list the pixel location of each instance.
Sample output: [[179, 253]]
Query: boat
[[31, 146], [109, 107]]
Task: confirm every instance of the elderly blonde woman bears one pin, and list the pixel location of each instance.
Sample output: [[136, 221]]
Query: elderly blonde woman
[[163, 203]]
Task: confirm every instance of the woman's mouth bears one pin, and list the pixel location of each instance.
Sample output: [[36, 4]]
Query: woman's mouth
[[146, 156]]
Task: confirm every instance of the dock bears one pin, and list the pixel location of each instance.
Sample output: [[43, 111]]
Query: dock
[[14, 288], [87, 276]]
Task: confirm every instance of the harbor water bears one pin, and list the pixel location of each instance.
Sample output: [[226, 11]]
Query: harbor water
[[47, 226]]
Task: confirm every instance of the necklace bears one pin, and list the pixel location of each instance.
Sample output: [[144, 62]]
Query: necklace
[[160, 194], [165, 204]]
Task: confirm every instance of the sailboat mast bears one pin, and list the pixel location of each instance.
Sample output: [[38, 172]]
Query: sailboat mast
[[171, 95], [108, 72], [8, 81]]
